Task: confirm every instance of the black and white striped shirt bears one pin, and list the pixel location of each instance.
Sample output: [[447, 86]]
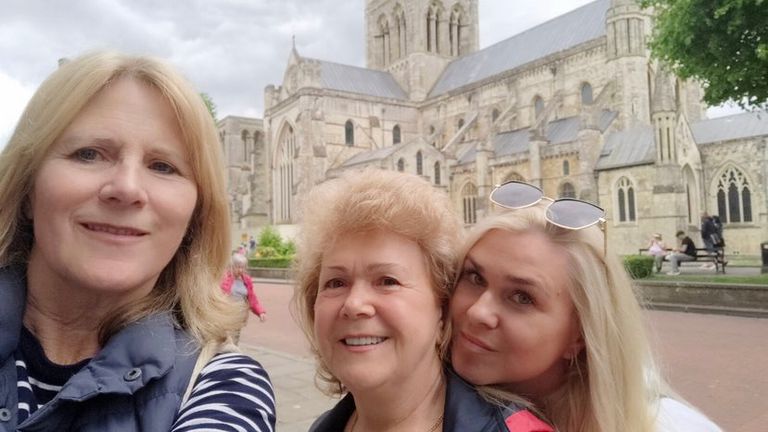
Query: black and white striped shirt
[[232, 393]]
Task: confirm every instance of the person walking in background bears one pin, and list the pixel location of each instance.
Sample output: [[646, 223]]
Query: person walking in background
[[708, 237], [685, 251], [239, 286], [658, 249]]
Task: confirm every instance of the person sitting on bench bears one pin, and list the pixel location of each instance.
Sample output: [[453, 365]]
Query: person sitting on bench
[[686, 251]]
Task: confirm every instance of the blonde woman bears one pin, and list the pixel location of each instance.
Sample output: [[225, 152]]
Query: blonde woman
[[542, 312], [375, 264], [113, 235]]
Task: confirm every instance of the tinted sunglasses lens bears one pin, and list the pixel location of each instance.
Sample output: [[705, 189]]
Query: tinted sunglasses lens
[[574, 214], [516, 195]]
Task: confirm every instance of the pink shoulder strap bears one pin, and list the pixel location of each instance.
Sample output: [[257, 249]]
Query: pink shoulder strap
[[525, 421]]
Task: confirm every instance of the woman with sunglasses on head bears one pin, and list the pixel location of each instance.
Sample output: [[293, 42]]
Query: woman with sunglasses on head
[[375, 265], [541, 312]]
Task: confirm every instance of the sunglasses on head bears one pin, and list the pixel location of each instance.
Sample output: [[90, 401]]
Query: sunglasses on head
[[568, 213]]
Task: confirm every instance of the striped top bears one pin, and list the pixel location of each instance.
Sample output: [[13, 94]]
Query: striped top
[[232, 392]]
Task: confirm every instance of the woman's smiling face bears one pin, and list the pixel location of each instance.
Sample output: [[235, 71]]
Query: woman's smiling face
[[377, 318], [114, 195], [514, 321]]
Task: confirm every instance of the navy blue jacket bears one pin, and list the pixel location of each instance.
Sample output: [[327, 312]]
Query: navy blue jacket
[[136, 382], [465, 411]]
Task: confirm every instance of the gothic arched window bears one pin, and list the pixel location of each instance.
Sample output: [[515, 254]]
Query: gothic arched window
[[401, 165], [396, 135], [419, 163], [469, 203], [566, 168], [433, 28], [538, 106], [626, 200], [385, 40], [437, 173], [586, 94], [400, 31], [456, 24], [566, 191], [283, 179], [349, 133], [734, 197], [245, 136]]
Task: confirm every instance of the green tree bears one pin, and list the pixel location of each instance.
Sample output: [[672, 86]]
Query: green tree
[[721, 43], [209, 104]]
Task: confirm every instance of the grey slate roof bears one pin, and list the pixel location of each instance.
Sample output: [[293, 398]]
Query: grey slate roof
[[558, 131], [627, 148], [573, 28], [359, 80], [738, 126], [372, 155]]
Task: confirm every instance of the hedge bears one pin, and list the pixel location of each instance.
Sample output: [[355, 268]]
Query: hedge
[[275, 262], [639, 266]]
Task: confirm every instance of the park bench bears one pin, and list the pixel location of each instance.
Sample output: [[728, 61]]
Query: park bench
[[702, 255]]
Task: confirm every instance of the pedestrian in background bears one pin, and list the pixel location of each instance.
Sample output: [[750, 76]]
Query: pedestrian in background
[[237, 283], [113, 236], [709, 237]]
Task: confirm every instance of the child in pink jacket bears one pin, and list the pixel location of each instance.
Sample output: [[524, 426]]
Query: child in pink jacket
[[238, 283]]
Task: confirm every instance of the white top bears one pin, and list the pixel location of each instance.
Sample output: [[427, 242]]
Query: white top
[[675, 416], [239, 289]]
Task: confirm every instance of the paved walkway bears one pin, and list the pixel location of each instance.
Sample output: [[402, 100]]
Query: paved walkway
[[299, 401], [716, 362]]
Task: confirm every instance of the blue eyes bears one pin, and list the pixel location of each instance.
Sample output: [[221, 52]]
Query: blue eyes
[[522, 298], [162, 167], [514, 294], [89, 154]]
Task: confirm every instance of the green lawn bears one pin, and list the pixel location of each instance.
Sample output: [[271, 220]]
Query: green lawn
[[761, 279]]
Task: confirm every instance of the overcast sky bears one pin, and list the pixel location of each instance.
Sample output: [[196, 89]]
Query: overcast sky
[[230, 49]]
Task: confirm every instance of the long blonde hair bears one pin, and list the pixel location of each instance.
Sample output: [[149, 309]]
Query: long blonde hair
[[370, 200], [188, 286], [613, 385]]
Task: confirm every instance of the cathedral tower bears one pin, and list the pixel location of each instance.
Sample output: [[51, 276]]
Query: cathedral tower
[[415, 39], [627, 28]]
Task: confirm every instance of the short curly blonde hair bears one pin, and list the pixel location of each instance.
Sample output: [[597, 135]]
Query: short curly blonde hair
[[369, 200]]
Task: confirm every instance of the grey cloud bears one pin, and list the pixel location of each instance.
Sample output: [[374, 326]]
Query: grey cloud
[[230, 49]]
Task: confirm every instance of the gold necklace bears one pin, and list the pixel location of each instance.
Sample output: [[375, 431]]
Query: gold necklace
[[432, 429]]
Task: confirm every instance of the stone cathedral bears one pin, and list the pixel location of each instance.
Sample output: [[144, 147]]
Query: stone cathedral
[[574, 105]]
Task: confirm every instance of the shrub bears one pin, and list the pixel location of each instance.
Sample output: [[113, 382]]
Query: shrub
[[269, 237], [287, 249], [266, 252], [277, 262], [272, 251], [638, 266]]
